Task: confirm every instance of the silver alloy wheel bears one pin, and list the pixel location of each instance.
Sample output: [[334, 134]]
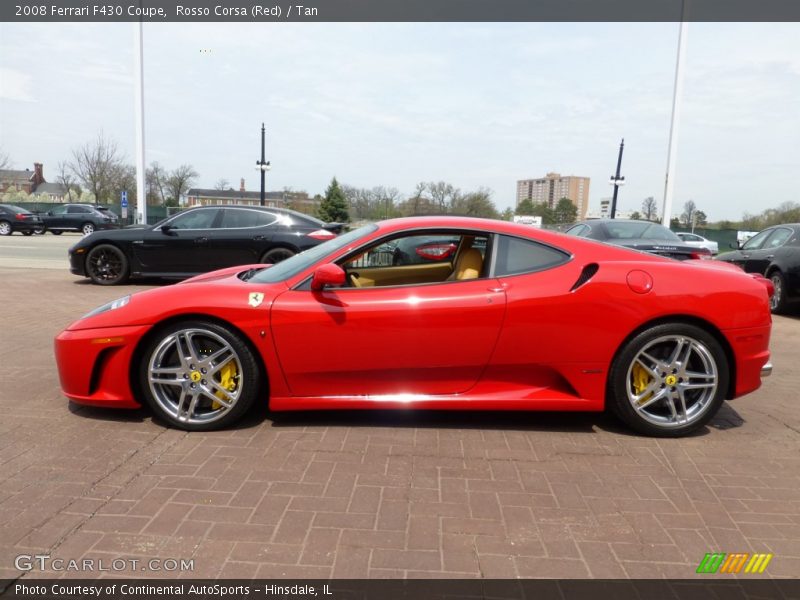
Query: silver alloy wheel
[[5, 228], [777, 283], [87, 228], [187, 379], [677, 381]]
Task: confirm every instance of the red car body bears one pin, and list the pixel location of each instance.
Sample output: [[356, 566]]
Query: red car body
[[535, 341]]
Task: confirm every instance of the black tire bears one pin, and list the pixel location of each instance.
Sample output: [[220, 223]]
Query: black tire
[[668, 378], [165, 398], [87, 228], [5, 228], [55, 232], [27, 232], [107, 265], [778, 304], [40, 229], [276, 255]]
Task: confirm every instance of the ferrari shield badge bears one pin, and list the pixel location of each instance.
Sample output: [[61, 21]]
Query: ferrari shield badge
[[256, 298]]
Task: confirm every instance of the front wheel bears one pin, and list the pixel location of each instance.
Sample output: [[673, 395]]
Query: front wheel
[[198, 375], [669, 380], [87, 228], [276, 255], [107, 265], [55, 232], [27, 232], [778, 302]]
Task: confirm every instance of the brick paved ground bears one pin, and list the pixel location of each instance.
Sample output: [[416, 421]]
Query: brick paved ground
[[377, 494]]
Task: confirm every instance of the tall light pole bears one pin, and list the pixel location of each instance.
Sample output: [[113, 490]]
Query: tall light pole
[[263, 166], [138, 77], [617, 180], [672, 152]]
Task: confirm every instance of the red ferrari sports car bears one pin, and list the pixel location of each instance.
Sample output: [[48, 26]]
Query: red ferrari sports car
[[531, 320]]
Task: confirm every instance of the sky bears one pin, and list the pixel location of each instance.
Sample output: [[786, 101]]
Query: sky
[[475, 105]]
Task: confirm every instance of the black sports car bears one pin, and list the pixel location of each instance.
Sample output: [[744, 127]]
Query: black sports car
[[85, 218], [197, 240], [13, 218], [775, 253], [638, 235]]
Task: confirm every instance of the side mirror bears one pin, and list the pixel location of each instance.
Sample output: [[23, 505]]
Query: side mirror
[[167, 229], [735, 245], [329, 274], [49, 213]]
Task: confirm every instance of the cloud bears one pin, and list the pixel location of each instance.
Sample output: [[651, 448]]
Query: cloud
[[16, 85]]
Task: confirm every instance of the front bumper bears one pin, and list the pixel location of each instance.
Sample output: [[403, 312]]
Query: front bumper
[[77, 263], [94, 365]]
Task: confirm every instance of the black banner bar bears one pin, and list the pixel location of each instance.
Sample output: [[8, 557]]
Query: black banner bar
[[160, 11], [713, 588]]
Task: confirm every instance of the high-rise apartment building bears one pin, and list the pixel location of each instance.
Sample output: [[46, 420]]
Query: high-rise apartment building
[[552, 187]]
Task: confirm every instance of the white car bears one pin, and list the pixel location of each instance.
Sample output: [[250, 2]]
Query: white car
[[698, 241]]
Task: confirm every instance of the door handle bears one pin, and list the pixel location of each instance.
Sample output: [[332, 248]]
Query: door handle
[[201, 240], [496, 290], [770, 256], [259, 238], [745, 256]]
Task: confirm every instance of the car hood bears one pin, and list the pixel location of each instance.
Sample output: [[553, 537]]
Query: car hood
[[222, 295]]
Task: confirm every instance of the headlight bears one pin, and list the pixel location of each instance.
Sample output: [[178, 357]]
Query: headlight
[[114, 304]]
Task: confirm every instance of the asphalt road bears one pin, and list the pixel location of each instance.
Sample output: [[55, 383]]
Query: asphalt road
[[46, 251]]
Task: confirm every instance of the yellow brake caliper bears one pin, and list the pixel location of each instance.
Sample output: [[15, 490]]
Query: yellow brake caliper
[[641, 379], [227, 380]]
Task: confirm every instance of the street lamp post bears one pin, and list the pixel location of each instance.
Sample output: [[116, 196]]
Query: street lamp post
[[617, 180], [263, 166]]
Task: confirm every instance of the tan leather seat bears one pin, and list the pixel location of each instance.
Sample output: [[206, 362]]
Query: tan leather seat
[[468, 265]]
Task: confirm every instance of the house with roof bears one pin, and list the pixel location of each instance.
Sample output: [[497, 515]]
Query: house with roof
[[205, 197], [33, 183]]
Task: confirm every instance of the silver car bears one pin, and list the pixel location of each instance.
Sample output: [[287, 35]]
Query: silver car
[[698, 241]]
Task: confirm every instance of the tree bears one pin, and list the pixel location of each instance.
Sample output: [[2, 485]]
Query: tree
[[65, 177], [525, 207], [333, 208], [443, 195], [5, 162], [689, 208], [649, 209], [565, 212], [700, 218], [507, 214], [179, 182], [155, 181], [636, 215], [475, 204], [95, 164], [540, 209], [222, 184]]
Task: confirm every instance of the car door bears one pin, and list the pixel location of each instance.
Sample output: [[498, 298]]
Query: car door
[[754, 245], [760, 259], [242, 236], [76, 216], [391, 341], [180, 246]]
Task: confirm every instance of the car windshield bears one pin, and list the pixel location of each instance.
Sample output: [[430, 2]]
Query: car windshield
[[292, 266], [620, 230]]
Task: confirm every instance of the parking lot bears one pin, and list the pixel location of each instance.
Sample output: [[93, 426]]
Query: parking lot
[[375, 494]]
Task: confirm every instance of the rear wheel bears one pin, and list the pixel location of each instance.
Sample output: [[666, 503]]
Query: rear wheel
[[276, 255], [55, 232], [107, 265], [778, 302], [5, 228], [198, 376], [669, 380], [27, 232]]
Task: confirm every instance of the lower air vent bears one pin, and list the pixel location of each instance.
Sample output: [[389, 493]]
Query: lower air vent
[[587, 273]]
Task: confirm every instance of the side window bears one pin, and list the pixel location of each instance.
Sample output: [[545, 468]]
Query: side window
[[579, 230], [516, 255], [419, 259], [196, 219], [778, 238], [77, 210], [233, 219], [755, 242], [59, 210]]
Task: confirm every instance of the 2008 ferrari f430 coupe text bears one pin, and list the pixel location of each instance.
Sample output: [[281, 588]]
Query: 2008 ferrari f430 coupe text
[[514, 318]]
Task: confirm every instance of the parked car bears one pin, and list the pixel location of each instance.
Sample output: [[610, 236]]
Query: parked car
[[85, 218], [13, 218], [638, 235], [542, 321], [195, 241], [774, 253], [698, 241]]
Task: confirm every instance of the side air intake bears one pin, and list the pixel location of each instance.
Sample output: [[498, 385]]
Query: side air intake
[[587, 273]]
